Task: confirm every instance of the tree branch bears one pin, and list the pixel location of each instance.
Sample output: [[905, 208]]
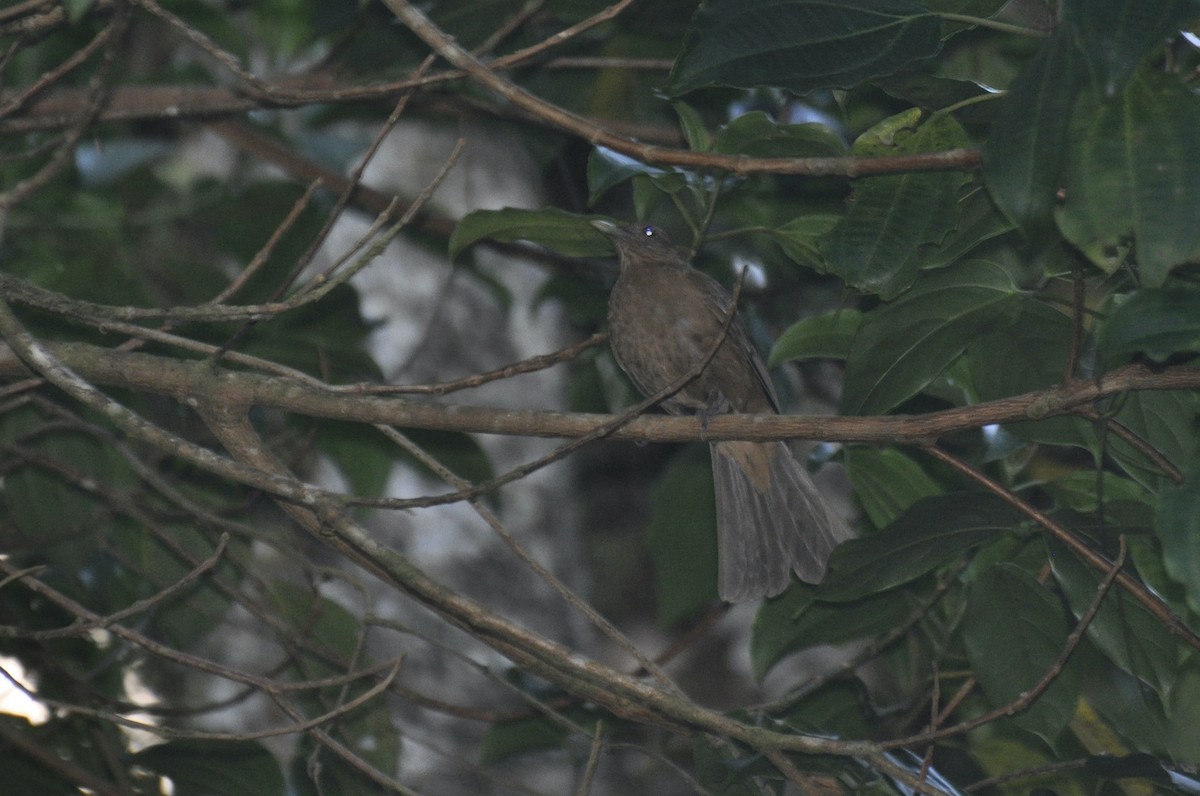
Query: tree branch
[[183, 380]]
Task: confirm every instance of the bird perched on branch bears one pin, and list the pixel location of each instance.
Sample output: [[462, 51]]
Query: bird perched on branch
[[664, 319]]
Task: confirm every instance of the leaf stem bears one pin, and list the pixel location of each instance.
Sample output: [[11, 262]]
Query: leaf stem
[[993, 24]]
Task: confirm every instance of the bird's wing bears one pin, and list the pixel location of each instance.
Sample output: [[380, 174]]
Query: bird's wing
[[717, 301]]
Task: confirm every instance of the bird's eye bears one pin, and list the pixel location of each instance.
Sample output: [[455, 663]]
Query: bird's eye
[[649, 232]]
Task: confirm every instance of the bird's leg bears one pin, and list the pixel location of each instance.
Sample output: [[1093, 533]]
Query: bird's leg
[[717, 404]]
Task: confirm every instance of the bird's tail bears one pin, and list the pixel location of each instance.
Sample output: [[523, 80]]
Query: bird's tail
[[771, 520]]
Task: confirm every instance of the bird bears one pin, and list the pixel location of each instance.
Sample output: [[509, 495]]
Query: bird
[[664, 318]]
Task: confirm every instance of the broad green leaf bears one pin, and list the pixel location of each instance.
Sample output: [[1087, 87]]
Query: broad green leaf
[[157, 564], [933, 93], [325, 338], [821, 336], [683, 539], [1157, 322], [1176, 526], [692, 125], [1014, 630], [795, 620], [903, 346], [508, 739], [886, 482], [46, 509], [1133, 174], [76, 9], [365, 457], [1124, 630], [979, 9], [1164, 419], [1030, 354], [877, 245], [1010, 752], [719, 769], [758, 135], [215, 768], [1183, 736], [978, 222], [1023, 157], [566, 233], [318, 618], [929, 533], [802, 45], [800, 238], [1127, 504], [607, 169], [838, 709], [1118, 35]]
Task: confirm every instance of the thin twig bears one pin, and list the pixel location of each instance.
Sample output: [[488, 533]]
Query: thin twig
[[1157, 607], [1027, 698]]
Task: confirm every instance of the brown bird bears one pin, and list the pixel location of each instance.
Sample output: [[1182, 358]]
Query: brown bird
[[663, 319]]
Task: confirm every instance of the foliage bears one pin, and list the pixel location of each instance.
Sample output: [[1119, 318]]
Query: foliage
[[985, 218]]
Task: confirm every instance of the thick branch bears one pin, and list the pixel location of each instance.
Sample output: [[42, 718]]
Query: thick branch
[[562, 119], [183, 380]]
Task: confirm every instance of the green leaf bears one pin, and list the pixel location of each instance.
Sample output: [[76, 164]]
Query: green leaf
[[215, 768], [365, 457], [189, 617], [1126, 503], [758, 135], [508, 739], [929, 533], [886, 482], [1117, 35], [562, 232], [932, 92], [695, 132], [800, 238], [903, 346], [1124, 630], [1134, 175], [1023, 157], [1183, 735], [1176, 526], [1013, 631], [683, 539], [1164, 419], [326, 338], [877, 245], [802, 45], [821, 336], [47, 509], [607, 169], [318, 618], [76, 9], [978, 222], [1157, 322], [796, 620], [719, 770], [1030, 354]]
